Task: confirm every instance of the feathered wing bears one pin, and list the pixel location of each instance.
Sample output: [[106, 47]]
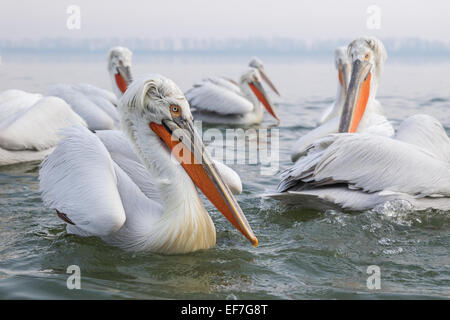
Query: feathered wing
[[369, 163], [104, 99], [218, 96], [79, 180], [125, 157], [98, 112], [230, 84], [301, 146], [425, 132], [12, 101], [91, 90], [37, 128]]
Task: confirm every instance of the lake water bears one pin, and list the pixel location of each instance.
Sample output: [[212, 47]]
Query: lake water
[[303, 254]]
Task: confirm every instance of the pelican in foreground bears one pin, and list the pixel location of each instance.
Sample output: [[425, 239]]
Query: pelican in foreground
[[159, 211], [362, 171], [219, 100], [343, 67], [95, 105], [369, 114]]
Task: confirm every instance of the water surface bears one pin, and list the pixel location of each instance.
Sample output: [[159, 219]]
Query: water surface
[[303, 254]]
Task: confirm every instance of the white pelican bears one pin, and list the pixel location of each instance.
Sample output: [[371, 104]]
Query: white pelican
[[369, 113], [361, 171], [343, 67], [95, 105], [29, 125], [219, 100], [31, 131], [29, 122], [96, 197]]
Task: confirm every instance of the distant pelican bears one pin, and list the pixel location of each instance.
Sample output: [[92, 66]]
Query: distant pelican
[[95, 105], [30, 124], [369, 116], [219, 100], [361, 171], [344, 68], [159, 211]]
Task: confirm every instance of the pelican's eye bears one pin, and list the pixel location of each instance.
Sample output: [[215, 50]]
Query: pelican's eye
[[367, 56], [175, 111]]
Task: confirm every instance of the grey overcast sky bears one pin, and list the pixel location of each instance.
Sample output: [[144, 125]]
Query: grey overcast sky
[[307, 19]]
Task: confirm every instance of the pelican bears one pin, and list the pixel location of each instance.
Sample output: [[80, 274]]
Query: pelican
[[362, 171], [344, 68], [157, 208], [29, 125], [30, 122], [219, 100], [95, 105], [32, 131], [371, 117]]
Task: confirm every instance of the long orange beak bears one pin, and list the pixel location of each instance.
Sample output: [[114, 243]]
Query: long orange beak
[[340, 78], [262, 96], [121, 83], [123, 77], [185, 144], [357, 97]]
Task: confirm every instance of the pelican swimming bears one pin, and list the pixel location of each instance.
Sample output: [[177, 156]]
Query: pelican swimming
[[371, 118], [157, 208], [95, 105], [219, 100], [30, 124], [362, 171], [344, 68]]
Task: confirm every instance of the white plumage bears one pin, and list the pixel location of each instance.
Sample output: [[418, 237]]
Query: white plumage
[[220, 96], [95, 105], [31, 132], [219, 100], [14, 100], [360, 171], [373, 120], [29, 122]]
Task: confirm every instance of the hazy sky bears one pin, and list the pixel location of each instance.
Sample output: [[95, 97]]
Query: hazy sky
[[306, 19]]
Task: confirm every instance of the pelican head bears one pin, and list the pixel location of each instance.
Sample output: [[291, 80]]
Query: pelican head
[[157, 118], [119, 65], [343, 67], [367, 56], [258, 65], [252, 79]]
